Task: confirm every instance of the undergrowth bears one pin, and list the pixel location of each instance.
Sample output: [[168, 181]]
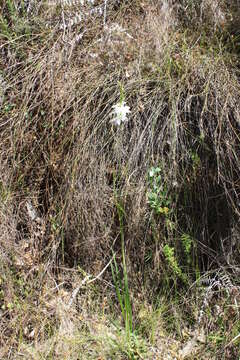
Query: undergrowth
[[116, 208]]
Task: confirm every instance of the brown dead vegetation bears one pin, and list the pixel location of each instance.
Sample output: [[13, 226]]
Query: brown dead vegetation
[[65, 169]]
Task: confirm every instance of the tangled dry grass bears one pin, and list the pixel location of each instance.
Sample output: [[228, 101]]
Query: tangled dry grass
[[65, 169]]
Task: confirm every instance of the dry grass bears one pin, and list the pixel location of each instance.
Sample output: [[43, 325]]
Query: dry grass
[[65, 169]]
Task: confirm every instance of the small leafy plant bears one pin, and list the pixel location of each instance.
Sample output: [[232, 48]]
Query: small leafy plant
[[157, 196], [187, 246], [173, 263]]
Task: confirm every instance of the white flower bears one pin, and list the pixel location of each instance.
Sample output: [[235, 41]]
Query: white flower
[[120, 111]]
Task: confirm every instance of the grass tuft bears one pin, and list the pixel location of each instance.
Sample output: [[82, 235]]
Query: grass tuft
[[154, 181]]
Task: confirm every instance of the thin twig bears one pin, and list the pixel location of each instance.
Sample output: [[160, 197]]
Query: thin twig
[[86, 281], [232, 341], [105, 12]]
